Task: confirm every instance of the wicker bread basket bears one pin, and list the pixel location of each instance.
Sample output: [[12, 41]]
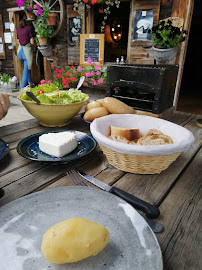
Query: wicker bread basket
[[136, 158]]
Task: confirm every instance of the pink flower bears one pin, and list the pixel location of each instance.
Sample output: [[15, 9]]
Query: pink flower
[[89, 60], [79, 69], [88, 6], [98, 73], [37, 6], [88, 74], [39, 11], [100, 80], [48, 82], [20, 3], [97, 67], [42, 82], [29, 8], [93, 63]]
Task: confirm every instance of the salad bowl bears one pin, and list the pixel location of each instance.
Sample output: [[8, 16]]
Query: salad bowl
[[51, 114]]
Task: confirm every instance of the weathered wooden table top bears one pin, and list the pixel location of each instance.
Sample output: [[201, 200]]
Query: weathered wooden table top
[[176, 191]]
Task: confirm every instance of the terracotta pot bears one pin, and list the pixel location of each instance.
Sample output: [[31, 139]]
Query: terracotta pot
[[42, 40], [51, 19], [30, 16]]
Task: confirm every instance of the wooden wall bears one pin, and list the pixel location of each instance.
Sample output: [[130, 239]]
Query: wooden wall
[[138, 52]]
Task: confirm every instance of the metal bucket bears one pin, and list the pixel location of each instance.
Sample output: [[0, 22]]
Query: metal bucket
[[165, 56], [46, 51]]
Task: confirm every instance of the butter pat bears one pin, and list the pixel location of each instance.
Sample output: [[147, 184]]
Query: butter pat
[[58, 144]]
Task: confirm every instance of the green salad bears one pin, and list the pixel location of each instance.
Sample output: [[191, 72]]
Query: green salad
[[50, 93]]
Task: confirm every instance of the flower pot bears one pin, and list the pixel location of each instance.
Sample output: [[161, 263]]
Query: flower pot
[[165, 56], [30, 16], [46, 51], [51, 19], [42, 41]]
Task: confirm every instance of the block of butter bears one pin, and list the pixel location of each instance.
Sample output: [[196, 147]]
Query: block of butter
[[58, 144]]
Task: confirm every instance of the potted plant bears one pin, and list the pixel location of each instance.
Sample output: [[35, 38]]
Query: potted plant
[[4, 80], [27, 8], [44, 32], [166, 39]]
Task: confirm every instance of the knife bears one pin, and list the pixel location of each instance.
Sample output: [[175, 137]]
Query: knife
[[151, 210]]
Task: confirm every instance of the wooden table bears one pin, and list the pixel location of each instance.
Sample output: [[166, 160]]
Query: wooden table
[[176, 191]]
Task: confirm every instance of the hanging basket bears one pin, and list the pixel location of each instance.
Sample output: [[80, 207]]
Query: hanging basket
[[165, 56], [46, 51]]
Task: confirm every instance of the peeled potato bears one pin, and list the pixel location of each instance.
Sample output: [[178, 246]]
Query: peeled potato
[[116, 106], [91, 114], [93, 104], [74, 239]]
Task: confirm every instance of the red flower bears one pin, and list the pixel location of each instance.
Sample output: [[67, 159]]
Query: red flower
[[67, 73], [72, 67], [40, 92], [101, 11], [58, 70], [68, 79], [85, 1], [74, 72], [73, 79], [94, 83], [67, 85], [83, 74], [93, 2], [58, 75]]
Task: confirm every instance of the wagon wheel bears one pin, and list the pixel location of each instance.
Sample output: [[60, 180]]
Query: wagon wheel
[[56, 6]]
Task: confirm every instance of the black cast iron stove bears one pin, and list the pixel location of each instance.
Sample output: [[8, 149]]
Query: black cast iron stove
[[144, 87]]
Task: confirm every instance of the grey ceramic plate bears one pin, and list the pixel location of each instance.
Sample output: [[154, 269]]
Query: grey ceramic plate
[[132, 244]]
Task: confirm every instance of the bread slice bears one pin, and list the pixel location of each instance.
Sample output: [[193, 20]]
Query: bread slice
[[153, 131], [156, 139], [119, 139], [129, 134]]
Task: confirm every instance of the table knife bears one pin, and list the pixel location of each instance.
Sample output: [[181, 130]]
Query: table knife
[[151, 210]]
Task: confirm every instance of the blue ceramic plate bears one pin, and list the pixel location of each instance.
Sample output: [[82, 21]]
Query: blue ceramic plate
[[29, 148], [85, 122], [3, 148]]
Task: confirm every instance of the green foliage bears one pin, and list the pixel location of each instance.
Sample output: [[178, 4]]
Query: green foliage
[[41, 27], [164, 35], [5, 78]]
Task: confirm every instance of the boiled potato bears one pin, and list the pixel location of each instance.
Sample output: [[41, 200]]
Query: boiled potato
[[74, 239], [93, 104], [116, 106], [91, 114]]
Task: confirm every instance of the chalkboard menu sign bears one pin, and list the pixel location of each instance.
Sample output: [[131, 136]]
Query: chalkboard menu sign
[[92, 49], [91, 45]]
